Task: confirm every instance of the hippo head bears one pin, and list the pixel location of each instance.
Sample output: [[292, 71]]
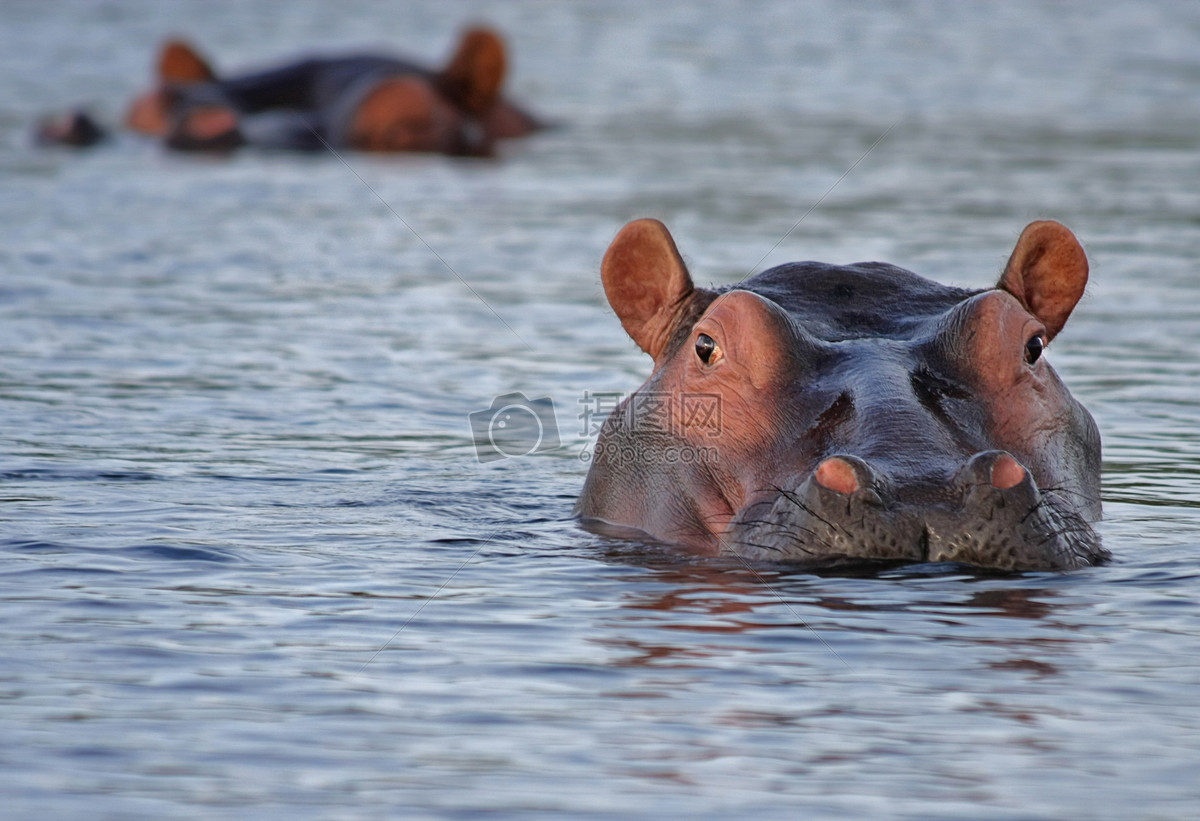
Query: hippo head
[[818, 413]]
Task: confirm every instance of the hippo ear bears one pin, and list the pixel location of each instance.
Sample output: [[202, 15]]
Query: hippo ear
[[179, 62], [474, 75], [646, 283], [1047, 272]]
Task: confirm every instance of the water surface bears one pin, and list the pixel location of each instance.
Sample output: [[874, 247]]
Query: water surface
[[250, 563]]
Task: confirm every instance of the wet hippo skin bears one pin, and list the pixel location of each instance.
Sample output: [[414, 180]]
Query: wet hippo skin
[[819, 413]]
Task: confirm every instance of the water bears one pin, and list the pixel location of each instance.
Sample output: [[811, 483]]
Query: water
[[250, 564]]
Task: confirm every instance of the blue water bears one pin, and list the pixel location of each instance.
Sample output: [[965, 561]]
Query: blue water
[[250, 564]]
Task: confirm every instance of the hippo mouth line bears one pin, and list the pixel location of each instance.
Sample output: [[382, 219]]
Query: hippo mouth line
[[1002, 523]]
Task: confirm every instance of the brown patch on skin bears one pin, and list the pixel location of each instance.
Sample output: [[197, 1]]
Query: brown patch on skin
[[475, 74], [646, 283], [147, 113], [209, 121], [753, 336], [179, 63], [404, 114], [1047, 273], [205, 128], [700, 425], [726, 405], [994, 349]]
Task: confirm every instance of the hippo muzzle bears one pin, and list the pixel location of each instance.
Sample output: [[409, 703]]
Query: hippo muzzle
[[990, 514]]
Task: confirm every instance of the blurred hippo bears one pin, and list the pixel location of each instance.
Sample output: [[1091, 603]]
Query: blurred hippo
[[75, 128], [366, 102], [822, 413]]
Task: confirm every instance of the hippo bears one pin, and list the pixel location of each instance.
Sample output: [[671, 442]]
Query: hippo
[[75, 128], [825, 414], [362, 101]]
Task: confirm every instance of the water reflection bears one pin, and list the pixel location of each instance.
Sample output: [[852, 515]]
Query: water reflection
[[665, 611]]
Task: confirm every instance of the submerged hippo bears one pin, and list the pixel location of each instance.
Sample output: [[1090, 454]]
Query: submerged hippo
[[823, 412], [363, 101]]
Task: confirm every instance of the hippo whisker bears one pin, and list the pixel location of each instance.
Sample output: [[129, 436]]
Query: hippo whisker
[[789, 528], [791, 532], [1065, 492], [731, 548], [767, 547], [1071, 527], [1037, 507], [767, 503], [791, 497]]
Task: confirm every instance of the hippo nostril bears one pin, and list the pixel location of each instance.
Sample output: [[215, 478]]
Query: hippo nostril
[[837, 474], [1006, 472]]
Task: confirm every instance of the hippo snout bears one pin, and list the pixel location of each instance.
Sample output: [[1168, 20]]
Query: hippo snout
[[989, 513]]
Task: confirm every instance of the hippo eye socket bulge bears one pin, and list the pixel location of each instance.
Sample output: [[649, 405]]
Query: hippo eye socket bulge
[[1034, 348]]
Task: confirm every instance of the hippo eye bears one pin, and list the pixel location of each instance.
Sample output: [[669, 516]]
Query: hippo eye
[[1034, 348], [707, 350]]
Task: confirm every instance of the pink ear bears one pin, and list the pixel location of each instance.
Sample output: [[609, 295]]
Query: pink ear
[[646, 283], [1047, 272]]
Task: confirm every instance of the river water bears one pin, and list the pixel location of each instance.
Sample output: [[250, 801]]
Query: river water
[[252, 565]]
